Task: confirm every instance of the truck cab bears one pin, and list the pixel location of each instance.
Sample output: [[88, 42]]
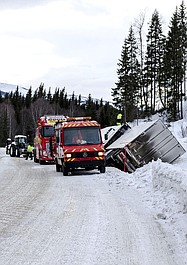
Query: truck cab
[[79, 145], [44, 138]]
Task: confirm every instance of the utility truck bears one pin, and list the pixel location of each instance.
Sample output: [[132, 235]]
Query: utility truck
[[44, 138], [78, 145]]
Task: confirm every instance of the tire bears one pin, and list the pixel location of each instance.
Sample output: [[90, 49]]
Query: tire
[[41, 162], [35, 159], [58, 167], [12, 151], [7, 152], [17, 153], [102, 169], [65, 171]]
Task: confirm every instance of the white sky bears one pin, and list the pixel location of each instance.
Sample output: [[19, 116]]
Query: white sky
[[74, 44]]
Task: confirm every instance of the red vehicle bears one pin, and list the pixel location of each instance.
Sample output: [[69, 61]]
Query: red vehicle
[[44, 138], [78, 144]]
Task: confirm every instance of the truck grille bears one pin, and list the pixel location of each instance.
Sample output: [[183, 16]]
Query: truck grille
[[84, 154]]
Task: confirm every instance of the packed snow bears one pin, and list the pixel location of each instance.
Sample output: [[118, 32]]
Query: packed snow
[[163, 187], [160, 187]]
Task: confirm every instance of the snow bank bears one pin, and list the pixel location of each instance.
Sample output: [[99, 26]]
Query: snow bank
[[163, 187]]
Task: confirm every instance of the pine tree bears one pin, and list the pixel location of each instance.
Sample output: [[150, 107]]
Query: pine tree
[[107, 115], [153, 62], [125, 95], [41, 91], [174, 66], [90, 108], [62, 98], [28, 98], [49, 96], [183, 33], [16, 100], [3, 128]]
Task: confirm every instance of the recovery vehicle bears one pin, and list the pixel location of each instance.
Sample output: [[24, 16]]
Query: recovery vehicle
[[44, 138], [78, 145]]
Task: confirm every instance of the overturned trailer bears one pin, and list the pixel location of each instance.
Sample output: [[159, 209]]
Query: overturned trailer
[[130, 148]]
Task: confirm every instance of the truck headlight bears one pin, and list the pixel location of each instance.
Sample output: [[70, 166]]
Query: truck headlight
[[100, 153], [67, 155]]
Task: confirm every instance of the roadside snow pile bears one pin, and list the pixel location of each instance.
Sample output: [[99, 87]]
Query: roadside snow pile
[[163, 187]]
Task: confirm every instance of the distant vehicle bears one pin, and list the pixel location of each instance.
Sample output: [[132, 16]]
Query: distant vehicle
[[19, 146], [8, 144], [79, 145], [44, 138]]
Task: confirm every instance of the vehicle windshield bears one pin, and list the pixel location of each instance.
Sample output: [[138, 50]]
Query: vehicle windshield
[[82, 135], [21, 140], [48, 131]]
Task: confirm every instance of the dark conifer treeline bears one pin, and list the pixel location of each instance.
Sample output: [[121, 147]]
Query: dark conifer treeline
[[19, 113]]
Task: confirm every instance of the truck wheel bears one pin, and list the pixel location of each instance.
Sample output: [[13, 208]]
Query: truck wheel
[[17, 153], [12, 151], [41, 162], [58, 167], [65, 171], [35, 159], [102, 169]]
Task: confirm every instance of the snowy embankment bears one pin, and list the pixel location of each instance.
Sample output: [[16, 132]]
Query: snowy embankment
[[163, 187]]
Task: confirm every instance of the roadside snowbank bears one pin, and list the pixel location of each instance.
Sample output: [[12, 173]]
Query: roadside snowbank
[[163, 187]]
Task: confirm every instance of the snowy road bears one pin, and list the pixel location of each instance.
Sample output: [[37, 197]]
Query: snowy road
[[46, 218]]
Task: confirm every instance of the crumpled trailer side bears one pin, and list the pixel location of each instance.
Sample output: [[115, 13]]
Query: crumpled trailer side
[[141, 144]]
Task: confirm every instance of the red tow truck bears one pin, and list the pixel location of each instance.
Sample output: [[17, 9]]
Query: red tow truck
[[78, 145], [44, 138]]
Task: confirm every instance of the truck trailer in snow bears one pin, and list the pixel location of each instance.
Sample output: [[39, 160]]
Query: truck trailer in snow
[[141, 144]]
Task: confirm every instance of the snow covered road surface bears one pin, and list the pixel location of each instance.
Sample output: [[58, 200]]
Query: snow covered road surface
[[46, 218]]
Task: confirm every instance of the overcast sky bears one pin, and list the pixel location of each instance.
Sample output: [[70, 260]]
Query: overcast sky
[[74, 44]]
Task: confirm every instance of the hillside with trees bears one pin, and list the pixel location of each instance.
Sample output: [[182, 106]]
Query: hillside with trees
[[19, 113], [153, 79]]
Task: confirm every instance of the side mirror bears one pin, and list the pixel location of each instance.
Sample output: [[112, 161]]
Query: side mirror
[[106, 136]]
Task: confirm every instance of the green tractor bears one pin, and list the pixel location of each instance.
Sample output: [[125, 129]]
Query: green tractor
[[19, 146]]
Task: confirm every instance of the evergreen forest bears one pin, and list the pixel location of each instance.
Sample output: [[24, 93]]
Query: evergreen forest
[[152, 73], [19, 114]]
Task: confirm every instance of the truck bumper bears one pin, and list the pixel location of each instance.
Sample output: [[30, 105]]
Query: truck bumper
[[84, 164]]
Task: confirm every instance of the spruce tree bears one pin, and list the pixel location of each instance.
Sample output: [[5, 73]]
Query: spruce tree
[[28, 98], [153, 62], [173, 66], [125, 95], [183, 33]]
